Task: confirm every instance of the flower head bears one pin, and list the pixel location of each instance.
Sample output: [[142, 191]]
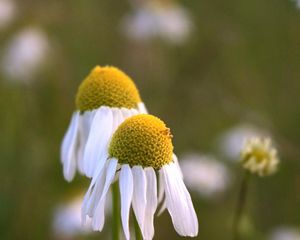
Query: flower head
[[107, 86], [143, 140], [105, 98], [259, 156], [141, 148]]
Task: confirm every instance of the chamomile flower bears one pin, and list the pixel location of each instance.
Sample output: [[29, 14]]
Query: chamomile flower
[[259, 156], [67, 221], [8, 11], [285, 233], [25, 55], [297, 3], [140, 151], [104, 100], [158, 19]]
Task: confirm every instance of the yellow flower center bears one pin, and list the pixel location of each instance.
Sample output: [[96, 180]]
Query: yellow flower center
[[107, 86], [142, 140]]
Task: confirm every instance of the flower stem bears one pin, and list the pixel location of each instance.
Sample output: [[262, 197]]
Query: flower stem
[[116, 212], [240, 206], [138, 234]]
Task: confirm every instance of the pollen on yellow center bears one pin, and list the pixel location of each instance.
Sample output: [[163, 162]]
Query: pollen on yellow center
[[142, 140], [107, 86]]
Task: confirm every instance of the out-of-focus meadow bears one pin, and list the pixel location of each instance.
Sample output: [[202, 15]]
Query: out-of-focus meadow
[[225, 70]]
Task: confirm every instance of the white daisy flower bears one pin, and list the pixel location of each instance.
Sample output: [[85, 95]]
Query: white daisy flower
[[204, 174], [259, 156], [285, 233], [25, 54], [104, 100], [7, 12], [67, 220], [139, 152], [297, 3], [151, 19]]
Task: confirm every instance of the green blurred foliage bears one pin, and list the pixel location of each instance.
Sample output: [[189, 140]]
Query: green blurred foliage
[[242, 63]]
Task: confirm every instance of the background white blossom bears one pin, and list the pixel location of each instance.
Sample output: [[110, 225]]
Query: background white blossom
[[25, 54], [8, 12], [204, 175]]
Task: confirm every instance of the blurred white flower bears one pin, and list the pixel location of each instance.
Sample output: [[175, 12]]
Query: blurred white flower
[[297, 3], [7, 12], [204, 174], [25, 54], [285, 233], [170, 22], [232, 140], [67, 219]]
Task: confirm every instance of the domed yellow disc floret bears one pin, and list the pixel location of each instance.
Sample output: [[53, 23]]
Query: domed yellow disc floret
[[142, 140], [107, 86]]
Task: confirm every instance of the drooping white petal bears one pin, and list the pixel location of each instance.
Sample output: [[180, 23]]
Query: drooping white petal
[[175, 160], [142, 108], [84, 129], [161, 189], [151, 203], [179, 202], [99, 218], [139, 194], [68, 148], [126, 191], [95, 153], [161, 192], [93, 195], [162, 208]]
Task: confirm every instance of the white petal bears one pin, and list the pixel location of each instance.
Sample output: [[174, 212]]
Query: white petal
[[134, 112], [142, 108], [162, 208], [160, 188], [84, 129], [175, 160], [126, 113], [92, 196], [99, 218], [117, 117], [95, 153], [68, 148], [161, 191], [126, 191], [179, 202], [151, 203], [139, 194]]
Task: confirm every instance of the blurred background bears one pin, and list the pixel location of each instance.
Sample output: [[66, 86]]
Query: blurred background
[[214, 71]]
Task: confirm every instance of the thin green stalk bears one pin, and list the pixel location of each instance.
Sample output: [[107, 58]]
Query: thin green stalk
[[138, 234], [116, 212], [241, 202]]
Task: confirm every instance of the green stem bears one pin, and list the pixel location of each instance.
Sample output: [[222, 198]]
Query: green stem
[[138, 234], [240, 206], [116, 212]]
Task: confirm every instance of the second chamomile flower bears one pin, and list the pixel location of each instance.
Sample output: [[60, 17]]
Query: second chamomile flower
[[140, 151]]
